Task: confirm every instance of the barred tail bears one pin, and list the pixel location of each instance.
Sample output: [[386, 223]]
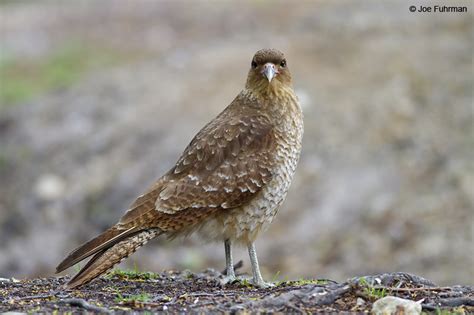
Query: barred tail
[[107, 257]]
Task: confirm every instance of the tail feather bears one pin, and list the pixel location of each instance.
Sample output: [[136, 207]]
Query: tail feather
[[97, 244], [105, 258]]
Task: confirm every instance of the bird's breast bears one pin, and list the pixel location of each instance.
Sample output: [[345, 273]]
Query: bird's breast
[[243, 224]]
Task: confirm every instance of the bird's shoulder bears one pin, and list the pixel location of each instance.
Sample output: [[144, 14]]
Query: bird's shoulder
[[225, 165], [236, 132]]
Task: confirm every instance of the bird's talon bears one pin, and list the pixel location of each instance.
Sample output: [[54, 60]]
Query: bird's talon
[[262, 284], [228, 280]]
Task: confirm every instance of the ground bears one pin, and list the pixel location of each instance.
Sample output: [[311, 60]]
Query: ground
[[173, 291]]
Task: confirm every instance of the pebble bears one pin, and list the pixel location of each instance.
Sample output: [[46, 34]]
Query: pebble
[[360, 302], [394, 305]]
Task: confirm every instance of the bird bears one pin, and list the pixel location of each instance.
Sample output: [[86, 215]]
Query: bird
[[227, 185]]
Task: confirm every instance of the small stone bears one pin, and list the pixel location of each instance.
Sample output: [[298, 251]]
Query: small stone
[[394, 305], [360, 302]]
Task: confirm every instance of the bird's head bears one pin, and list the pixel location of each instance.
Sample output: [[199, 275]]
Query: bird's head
[[268, 70]]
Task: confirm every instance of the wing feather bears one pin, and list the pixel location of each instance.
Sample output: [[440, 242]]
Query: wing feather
[[226, 164]]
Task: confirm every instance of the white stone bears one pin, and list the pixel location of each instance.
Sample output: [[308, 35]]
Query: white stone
[[392, 304]]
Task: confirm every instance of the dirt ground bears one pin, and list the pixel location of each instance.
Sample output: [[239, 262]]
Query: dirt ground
[[172, 291]]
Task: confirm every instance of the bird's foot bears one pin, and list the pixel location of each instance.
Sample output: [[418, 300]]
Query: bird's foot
[[229, 280], [246, 281], [261, 284], [240, 281]]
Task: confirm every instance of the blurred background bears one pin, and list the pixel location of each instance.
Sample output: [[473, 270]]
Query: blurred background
[[99, 98]]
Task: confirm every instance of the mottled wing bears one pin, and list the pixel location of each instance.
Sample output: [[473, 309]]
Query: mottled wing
[[225, 165]]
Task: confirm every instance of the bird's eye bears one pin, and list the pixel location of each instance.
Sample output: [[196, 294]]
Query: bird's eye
[[283, 63], [254, 64]]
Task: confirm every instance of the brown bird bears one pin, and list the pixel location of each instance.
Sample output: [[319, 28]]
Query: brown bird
[[227, 185]]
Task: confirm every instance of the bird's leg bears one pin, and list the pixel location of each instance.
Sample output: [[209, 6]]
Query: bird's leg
[[257, 276], [229, 261]]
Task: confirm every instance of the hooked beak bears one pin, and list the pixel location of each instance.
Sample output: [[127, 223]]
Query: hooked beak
[[269, 71]]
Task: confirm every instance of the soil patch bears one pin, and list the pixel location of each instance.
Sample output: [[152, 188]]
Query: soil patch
[[173, 291]]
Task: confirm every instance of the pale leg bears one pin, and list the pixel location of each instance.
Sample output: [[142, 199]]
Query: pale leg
[[229, 262], [257, 276]]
